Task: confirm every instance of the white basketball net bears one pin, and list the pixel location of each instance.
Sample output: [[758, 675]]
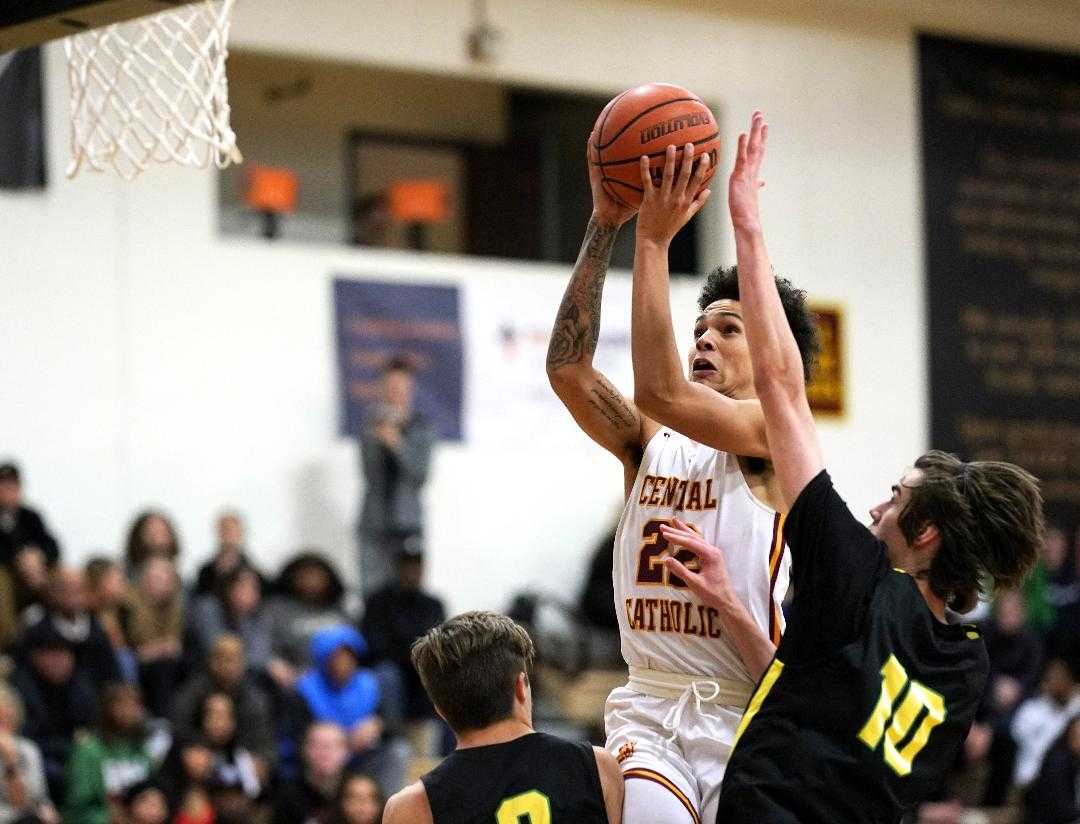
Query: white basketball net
[[152, 89]]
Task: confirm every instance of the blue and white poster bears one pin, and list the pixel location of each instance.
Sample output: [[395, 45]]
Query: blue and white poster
[[380, 320]]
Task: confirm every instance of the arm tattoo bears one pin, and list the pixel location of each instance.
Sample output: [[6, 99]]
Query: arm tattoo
[[577, 325], [612, 405]]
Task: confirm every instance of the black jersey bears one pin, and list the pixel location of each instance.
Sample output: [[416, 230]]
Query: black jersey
[[869, 696], [533, 779]]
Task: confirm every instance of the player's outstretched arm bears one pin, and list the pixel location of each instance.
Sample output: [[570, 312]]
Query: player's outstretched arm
[[661, 389], [408, 806], [778, 368], [711, 583], [604, 413], [611, 783]]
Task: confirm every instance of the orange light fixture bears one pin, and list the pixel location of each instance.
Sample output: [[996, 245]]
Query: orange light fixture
[[419, 201], [270, 189]]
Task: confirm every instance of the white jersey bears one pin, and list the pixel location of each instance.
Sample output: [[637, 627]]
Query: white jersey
[[662, 624]]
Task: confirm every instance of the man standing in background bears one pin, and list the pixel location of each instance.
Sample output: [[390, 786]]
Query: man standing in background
[[395, 453]]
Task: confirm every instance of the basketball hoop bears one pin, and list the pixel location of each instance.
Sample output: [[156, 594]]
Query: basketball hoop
[[152, 90]]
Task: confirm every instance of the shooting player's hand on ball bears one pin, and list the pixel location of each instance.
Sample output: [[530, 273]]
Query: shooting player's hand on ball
[[668, 205], [609, 212]]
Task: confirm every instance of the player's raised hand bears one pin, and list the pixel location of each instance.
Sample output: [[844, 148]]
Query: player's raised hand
[[710, 582], [668, 205], [744, 182], [609, 212]]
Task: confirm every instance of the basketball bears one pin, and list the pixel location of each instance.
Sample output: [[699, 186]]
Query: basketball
[[645, 120]]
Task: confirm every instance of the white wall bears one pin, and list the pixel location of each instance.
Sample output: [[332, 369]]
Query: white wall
[[145, 360]]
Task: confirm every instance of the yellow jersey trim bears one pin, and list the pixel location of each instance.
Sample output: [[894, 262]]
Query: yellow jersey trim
[[767, 682]]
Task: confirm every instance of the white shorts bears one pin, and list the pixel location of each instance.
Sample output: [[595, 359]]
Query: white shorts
[[689, 760]]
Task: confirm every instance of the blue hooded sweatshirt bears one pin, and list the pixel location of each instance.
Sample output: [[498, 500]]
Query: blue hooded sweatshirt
[[349, 704]]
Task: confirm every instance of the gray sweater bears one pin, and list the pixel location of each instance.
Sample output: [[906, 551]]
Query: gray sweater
[[394, 478]]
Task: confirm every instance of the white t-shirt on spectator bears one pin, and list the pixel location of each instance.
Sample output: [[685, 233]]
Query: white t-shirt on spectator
[[1037, 724]]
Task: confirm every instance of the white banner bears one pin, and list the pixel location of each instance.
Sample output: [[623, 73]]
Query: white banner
[[509, 401]]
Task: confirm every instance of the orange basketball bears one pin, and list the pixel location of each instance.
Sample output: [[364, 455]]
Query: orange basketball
[[645, 120]]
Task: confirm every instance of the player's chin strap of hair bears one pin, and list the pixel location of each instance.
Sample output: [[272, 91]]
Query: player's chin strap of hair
[[699, 691]]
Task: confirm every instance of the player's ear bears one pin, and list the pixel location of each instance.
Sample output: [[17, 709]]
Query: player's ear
[[928, 538], [521, 687]]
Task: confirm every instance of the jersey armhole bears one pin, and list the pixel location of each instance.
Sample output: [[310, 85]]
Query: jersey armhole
[[647, 454]]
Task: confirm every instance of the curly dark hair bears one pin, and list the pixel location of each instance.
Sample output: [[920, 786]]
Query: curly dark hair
[[723, 284]]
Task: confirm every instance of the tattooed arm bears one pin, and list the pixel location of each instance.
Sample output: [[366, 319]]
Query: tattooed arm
[[603, 413]]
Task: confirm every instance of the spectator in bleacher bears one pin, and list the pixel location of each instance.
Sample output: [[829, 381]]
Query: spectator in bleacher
[[1054, 795], [226, 672], [106, 592], [1040, 720], [597, 600], [211, 778], [394, 617], [22, 530], [65, 611], [153, 623], [24, 795], [152, 534], [228, 556], [9, 609], [28, 577], [1062, 591], [1016, 655], [1015, 652], [311, 796], [308, 597], [339, 690], [58, 699], [360, 801], [144, 803], [125, 751], [236, 606], [27, 552], [396, 442]]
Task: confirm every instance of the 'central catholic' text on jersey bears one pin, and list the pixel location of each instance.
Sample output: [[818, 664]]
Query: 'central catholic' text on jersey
[[663, 625], [869, 696]]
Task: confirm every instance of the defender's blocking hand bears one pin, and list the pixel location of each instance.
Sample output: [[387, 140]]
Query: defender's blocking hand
[[744, 182]]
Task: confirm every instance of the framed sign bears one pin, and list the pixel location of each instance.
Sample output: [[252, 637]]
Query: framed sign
[[827, 389]]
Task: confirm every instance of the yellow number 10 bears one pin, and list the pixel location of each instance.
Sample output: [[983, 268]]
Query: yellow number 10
[[532, 807], [919, 697]]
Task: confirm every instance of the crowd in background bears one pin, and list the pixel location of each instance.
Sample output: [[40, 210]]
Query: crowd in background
[[1024, 749], [129, 696]]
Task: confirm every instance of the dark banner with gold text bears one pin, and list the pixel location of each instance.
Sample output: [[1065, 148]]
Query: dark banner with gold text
[[1001, 181]]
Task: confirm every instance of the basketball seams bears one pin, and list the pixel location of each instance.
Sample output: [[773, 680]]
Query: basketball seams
[[617, 179], [637, 189], [605, 181], [657, 153], [649, 110], [607, 113]]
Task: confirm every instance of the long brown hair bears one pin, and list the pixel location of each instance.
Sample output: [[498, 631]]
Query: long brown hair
[[990, 518]]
